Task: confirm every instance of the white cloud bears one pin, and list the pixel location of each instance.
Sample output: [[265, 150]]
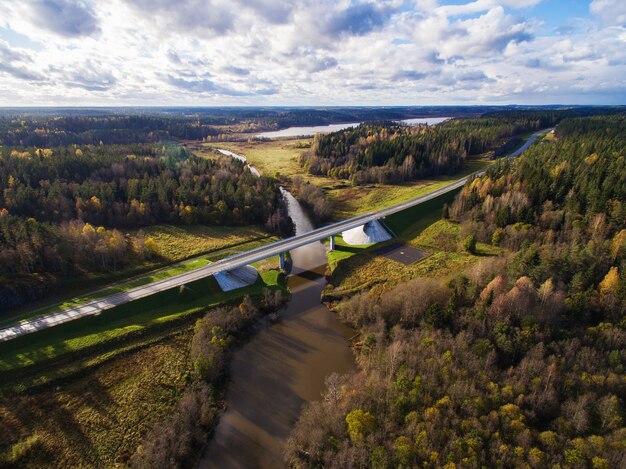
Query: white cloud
[[221, 52], [482, 5], [612, 12], [65, 18], [17, 63]]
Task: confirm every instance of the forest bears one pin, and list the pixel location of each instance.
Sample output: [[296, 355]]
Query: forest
[[387, 152], [519, 361], [38, 128], [63, 209], [97, 129], [52, 127]]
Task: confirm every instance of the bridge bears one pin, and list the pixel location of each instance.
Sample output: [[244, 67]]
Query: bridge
[[236, 261]]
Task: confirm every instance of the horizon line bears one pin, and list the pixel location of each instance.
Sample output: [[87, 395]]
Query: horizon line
[[296, 106]]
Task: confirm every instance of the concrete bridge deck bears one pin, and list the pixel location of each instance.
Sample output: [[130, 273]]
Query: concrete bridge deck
[[233, 262]]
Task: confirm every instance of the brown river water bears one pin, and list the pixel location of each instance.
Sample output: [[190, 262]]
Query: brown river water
[[282, 367]]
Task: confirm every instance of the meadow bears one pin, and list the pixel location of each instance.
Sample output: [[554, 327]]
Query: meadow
[[274, 158], [279, 158], [358, 268], [99, 416], [73, 340], [350, 200], [178, 242]]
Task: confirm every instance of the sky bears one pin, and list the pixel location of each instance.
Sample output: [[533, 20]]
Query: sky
[[311, 52]]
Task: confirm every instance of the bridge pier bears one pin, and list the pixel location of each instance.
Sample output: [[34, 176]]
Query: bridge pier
[[332, 242], [281, 261]]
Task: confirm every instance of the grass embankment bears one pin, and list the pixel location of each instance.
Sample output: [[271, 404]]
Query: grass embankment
[[420, 227], [79, 336], [405, 225], [281, 157], [175, 243]]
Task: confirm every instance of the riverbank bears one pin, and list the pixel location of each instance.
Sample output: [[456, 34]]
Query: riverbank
[[99, 415], [281, 368], [279, 158]]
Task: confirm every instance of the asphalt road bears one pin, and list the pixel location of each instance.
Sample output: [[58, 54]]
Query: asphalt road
[[248, 257]]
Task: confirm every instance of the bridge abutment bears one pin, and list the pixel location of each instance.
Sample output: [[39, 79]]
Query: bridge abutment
[[369, 233], [236, 278]]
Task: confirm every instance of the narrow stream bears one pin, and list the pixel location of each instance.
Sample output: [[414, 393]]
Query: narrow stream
[[282, 367]]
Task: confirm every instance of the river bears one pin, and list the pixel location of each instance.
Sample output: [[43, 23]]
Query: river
[[243, 159], [312, 130], [282, 367]]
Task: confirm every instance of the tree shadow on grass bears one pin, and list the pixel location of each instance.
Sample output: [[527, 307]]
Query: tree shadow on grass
[[47, 413], [93, 393]]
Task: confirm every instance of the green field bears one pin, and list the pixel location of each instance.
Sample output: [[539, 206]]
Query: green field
[[369, 271], [275, 157], [279, 157], [123, 321], [357, 268], [175, 243], [351, 201], [405, 225], [96, 418]]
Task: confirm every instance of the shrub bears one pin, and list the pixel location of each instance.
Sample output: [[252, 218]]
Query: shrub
[[174, 440], [469, 244]]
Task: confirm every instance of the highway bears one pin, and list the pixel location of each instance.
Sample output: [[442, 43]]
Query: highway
[[248, 257]]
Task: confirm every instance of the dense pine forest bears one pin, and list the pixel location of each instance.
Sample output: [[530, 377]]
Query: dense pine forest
[[41, 128], [390, 153], [517, 362], [62, 209], [46, 127], [95, 129]]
